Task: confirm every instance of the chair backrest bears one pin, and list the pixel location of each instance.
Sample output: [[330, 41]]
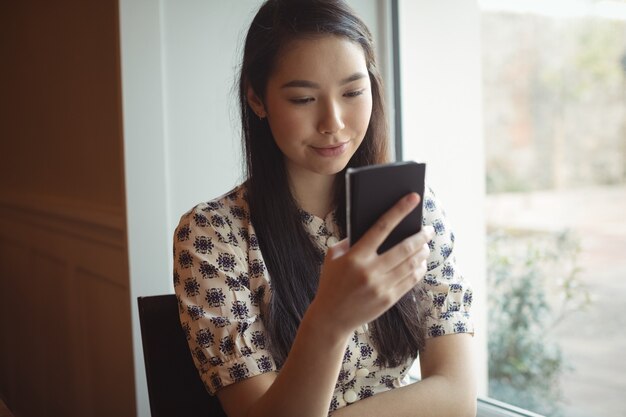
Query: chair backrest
[[174, 386]]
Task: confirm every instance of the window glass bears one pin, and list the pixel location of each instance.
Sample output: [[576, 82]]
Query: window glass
[[554, 114]]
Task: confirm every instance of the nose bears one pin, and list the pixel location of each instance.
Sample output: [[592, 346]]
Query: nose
[[331, 120]]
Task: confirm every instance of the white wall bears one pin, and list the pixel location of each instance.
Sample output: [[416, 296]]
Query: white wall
[[202, 46], [181, 135], [442, 125], [147, 196]]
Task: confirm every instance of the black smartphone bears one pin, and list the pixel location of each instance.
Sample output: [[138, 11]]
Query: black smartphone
[[374, 189]]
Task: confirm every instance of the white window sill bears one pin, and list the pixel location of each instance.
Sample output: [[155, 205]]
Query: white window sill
[[488, 407]]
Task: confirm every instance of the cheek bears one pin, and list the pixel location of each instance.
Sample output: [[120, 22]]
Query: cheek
[[284, 121], [285, 129], [361, 117]]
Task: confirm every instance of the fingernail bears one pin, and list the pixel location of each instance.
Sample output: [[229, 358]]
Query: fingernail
[[430, 231], [412, 198]]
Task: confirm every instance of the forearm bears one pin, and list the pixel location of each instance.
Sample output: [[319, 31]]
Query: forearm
[[305, 384], [436, 396], [448, 387]]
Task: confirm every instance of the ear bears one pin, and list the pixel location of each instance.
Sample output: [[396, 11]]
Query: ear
[[256, 103]]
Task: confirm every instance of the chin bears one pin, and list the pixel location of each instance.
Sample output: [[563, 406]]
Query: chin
[[333, 168]]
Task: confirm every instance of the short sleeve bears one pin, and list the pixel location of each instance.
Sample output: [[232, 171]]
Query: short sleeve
[[220, 296], [445, 296]]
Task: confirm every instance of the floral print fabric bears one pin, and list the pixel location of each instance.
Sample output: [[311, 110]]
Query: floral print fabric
[[222, 286]]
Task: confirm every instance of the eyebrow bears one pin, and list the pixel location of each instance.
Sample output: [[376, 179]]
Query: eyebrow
[[311, 84]]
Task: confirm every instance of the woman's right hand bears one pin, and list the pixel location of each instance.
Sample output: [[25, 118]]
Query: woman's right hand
[[357, 285]]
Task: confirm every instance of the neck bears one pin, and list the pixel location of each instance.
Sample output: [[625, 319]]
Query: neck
[[313, 192]]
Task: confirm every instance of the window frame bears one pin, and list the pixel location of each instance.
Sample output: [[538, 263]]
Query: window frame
[[488, 407]]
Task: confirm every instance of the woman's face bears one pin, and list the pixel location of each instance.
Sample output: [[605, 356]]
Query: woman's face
[[318, 103]]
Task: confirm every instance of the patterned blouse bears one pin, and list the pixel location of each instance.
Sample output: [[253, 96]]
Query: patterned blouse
[[222, 285]]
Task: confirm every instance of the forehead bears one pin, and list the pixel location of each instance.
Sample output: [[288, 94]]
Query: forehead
[[322, 58]]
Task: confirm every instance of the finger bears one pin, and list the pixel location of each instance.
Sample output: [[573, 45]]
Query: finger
[[377, 234], [429, 231], [408, 248], [409, 264], [338, 249], [411, 279]]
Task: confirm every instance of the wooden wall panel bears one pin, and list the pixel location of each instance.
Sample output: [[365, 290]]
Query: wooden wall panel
[[12, 259], [104, 305], [62, 212], [60, 107], [42, 336], [66, 346], [51, 328]]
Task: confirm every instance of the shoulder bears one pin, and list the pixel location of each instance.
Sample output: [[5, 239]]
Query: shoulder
[[432, 205], [218, 226], [442, 244], [434, 213], [445, 294], [226, 211]]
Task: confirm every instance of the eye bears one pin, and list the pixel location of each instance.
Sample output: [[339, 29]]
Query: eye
[[355, 93], [302, 100]]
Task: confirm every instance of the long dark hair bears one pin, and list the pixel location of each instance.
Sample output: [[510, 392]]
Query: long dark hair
[[292, 258]]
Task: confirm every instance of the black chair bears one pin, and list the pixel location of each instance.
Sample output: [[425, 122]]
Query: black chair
[[174, 386]]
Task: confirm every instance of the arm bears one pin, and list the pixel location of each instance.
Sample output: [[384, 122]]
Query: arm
[[447, 387], [304, 385], [356, 286]]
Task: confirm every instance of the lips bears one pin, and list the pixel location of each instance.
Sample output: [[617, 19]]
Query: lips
[[332, 150]]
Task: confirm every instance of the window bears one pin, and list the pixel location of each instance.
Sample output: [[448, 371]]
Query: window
[[554, 91], [519, 108]]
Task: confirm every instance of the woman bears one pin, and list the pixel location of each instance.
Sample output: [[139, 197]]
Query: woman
[[283, 318]]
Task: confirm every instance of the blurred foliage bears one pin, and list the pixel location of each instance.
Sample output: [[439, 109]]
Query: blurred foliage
[[501, 179], [589, 66], [598, 57], [534, 284], [555, 102]]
